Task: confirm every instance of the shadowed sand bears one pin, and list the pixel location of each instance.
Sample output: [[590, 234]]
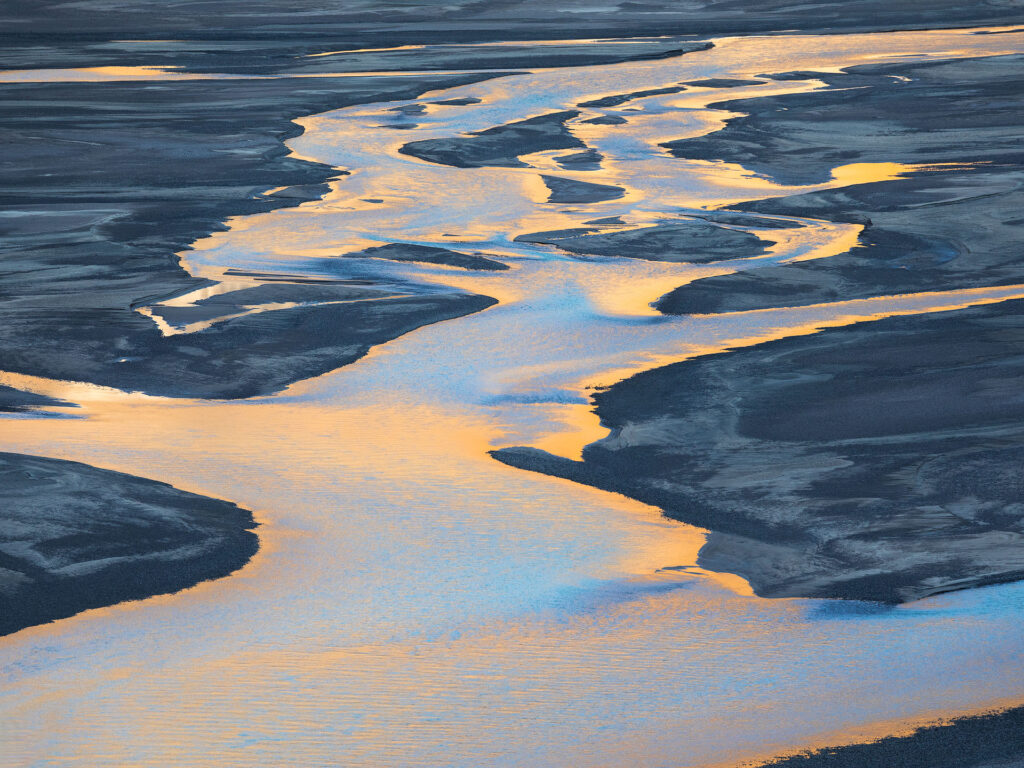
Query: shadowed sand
[[956, 225], [993, 740], [693, 240], [16, 401], [875, 462], [800, 455], [500, 146], [261, 35], [76, 537]]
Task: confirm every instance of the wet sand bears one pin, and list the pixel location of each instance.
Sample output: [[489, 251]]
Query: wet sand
[[689, 241], [264, 37], [76, 537], [500, 146], [16, 401], [956, 224], [875, 462], [994, 740], [209, 317]]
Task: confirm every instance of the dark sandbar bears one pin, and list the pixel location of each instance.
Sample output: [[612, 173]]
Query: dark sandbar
[[75, 537], [692, 240], [589, 160], [994, 740], [500, 146], [17, 401], [427, 254], [955, 227], [572, 191], [877, 462]]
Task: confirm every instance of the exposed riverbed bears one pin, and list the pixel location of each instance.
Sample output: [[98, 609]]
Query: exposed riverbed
[[414, 601]]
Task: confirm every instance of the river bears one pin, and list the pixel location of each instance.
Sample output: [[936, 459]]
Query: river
[[414, 601]]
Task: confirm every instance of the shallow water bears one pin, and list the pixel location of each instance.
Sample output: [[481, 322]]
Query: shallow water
[[416, 602]]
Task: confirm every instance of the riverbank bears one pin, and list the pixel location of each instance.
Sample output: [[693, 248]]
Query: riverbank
[[872, 462], [416, 589], [994, 740], [76, 537], [954, 222]]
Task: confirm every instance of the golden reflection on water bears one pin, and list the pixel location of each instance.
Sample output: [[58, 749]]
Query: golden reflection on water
[[574, 426], [489, 205], [96, 74], [415, 602]]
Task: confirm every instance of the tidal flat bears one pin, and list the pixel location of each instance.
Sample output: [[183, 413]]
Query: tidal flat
[[77, 537], [746, 276]]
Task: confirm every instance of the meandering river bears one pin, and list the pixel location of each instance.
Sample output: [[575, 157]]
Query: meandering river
[[414, 601]]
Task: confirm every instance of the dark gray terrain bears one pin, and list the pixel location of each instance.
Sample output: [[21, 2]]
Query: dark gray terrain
[[426, 254], [263, 34], [877, 462], [499, 146], [588, 160], [691, 239], [993, 740], [16, 401], [952, 227], [573, 191], [74, 537], [257, 354]]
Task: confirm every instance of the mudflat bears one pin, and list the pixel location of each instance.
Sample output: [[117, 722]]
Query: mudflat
[[75, 537], [875, 462], [952, 221]]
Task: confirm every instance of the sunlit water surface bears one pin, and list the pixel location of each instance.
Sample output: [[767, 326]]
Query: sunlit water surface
[[414, 601]]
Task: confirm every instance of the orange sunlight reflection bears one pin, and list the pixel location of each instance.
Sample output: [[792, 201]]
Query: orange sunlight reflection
[[414, 598]]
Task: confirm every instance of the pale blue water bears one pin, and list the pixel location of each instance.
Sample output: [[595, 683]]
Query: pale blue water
[[417, 603]]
